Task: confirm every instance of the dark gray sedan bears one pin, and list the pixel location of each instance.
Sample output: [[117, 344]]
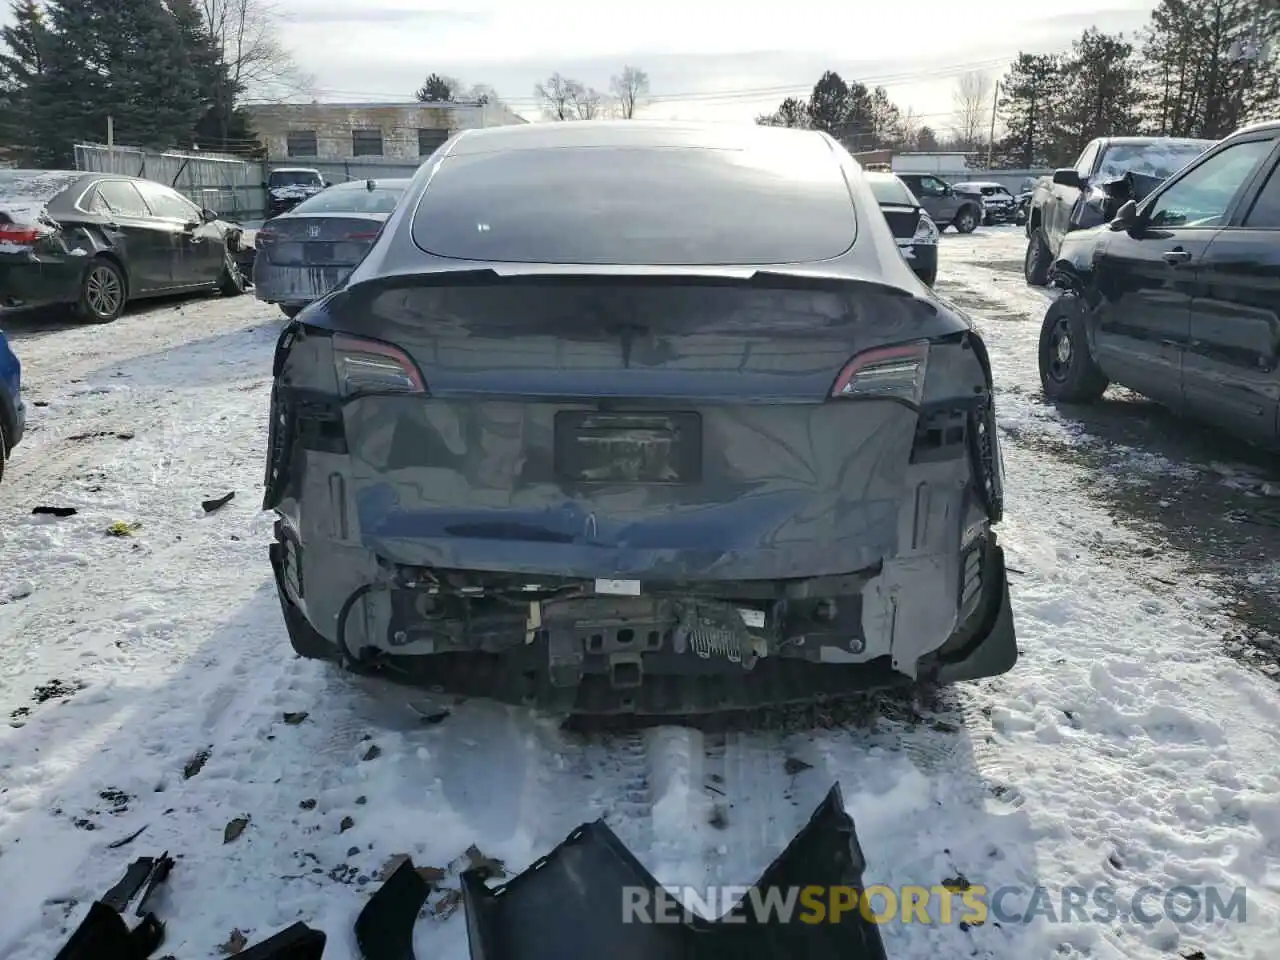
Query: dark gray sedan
[[305, 253]]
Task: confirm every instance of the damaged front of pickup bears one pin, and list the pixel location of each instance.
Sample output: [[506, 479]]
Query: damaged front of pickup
[[747, 494]]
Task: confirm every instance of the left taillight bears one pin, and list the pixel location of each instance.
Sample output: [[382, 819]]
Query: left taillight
[[892, 373], [371, 366], [19, 234]]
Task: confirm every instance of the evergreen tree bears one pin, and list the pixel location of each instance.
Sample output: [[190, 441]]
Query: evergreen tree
[[436, 89], [24, 64], [1211, 66], [1102, 95], [828, 107], [791, 112], [926, 140], [1029, 95], [122, 59]]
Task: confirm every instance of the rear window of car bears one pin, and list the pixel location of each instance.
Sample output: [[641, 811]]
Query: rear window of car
[[890, 190], [670, 206], [25, 193], [293, 178], [352, 200]]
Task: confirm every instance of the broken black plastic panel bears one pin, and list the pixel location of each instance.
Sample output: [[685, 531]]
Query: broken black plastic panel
[[105, 935], [569, 905]]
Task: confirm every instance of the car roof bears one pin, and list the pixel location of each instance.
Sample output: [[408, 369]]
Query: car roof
[[1141, 141], [392, 182], [653, 134], [293, 170], [1257, 126]]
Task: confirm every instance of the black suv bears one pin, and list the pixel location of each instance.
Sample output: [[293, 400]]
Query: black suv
[[1176, 298]]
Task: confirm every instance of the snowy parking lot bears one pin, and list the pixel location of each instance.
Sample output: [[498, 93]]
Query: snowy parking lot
[[147, 684]]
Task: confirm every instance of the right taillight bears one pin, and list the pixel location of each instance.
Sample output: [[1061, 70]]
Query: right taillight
[[19, 235], [371, 366], [895, 373]]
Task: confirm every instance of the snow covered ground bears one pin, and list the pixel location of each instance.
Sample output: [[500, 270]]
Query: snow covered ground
[[147, 679]]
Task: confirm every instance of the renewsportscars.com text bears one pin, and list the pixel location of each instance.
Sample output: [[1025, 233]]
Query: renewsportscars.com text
[[973, 905]]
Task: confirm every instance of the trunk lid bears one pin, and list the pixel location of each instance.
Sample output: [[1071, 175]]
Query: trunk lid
[[667, 429], [334, 239]]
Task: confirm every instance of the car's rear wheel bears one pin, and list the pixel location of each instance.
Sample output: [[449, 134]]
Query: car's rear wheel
[[103, 292], [1036, 262], [966, 220], [1068, 373]]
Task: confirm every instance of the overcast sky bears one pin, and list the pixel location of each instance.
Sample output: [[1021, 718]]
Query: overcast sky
[[706, 59]]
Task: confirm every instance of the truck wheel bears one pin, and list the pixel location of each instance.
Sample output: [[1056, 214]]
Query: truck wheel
[[1068, 373], [966, 220], [1036, 263]]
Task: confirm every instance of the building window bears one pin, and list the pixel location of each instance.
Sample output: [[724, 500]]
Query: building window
[[366, 143], [430, 139], [302, 143]]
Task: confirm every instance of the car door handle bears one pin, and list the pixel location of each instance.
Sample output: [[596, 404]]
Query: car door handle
[[1175, 257]]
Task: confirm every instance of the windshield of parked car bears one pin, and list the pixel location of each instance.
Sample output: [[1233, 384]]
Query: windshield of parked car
[[353, 199], [891, 190], [293, 178], [1162, 158]]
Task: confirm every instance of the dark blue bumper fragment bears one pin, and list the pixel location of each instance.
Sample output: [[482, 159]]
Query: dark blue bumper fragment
[[570, 905]]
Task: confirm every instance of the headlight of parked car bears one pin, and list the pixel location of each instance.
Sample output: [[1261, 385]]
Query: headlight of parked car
[[926, 230]]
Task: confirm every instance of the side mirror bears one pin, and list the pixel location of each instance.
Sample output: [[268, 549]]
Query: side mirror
[[948, 191], [190, 226], [1068, 177], [264, 185], [209, 215], [1126, 217], [327, 184]]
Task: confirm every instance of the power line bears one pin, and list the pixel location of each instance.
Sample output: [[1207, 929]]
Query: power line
[[705, 96]]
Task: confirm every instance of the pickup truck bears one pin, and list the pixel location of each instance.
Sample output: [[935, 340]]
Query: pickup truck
[[1108, 172]]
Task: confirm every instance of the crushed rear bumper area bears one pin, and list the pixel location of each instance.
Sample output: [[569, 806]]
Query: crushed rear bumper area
[[593, 656]]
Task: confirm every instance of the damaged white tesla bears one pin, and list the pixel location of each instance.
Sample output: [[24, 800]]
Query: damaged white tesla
[[630, 417]]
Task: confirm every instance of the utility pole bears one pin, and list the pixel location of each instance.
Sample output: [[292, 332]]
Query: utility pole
[[991, 142], [111, 131]]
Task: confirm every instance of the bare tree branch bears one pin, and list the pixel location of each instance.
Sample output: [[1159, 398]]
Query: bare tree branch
[[587, 102], [555, 95], [258, 64], [629, 90], [973, 102]]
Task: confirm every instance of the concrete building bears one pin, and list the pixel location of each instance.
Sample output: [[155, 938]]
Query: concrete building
[[376, 131]]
